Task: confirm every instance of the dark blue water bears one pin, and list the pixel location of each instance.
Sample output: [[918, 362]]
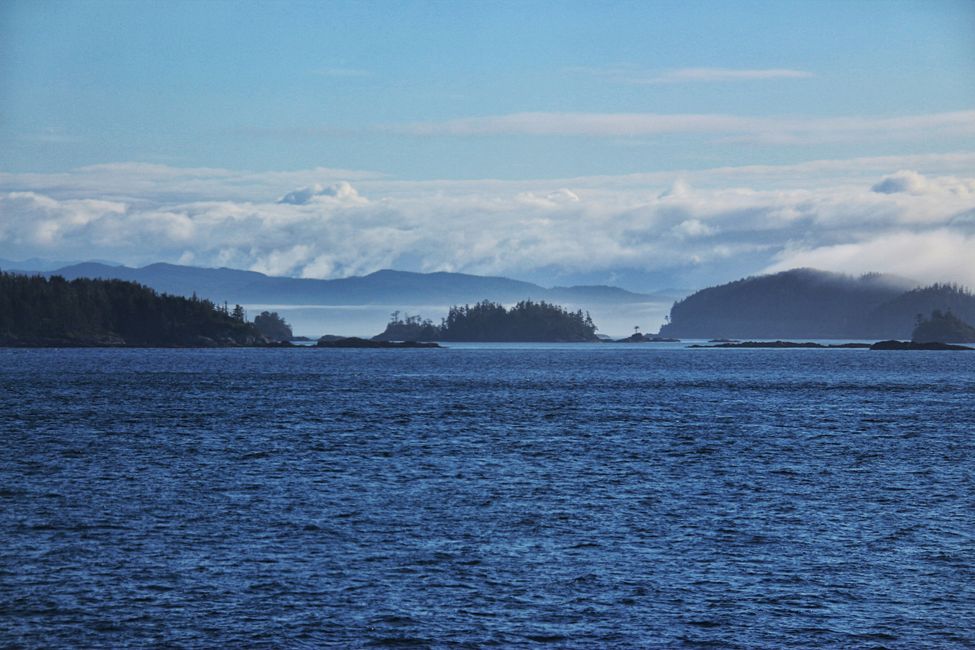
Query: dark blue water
[[577, 497]]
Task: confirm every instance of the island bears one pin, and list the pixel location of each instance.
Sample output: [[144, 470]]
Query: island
[[272, 326], [804, 304], [914, 345], [53, 312], [637, 337], [486, 321], [942, 327]]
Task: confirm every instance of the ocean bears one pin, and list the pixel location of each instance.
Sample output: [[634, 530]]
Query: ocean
[[575, 496]]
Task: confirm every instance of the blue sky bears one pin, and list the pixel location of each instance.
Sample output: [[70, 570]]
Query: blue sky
[[141, 117], [295, 85]]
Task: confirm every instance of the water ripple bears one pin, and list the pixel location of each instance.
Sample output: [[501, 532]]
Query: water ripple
[[569, 498]]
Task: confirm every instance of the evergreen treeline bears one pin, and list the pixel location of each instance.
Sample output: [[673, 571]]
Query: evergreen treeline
[[53, 311], [902, 313], [805, 303], [526, 321]]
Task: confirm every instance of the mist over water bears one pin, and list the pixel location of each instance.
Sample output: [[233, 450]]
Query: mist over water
[[571, 496], [615, 320]]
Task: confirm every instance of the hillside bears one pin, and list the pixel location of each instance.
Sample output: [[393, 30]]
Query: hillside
[[811, 304], [901, 314], [384, 287], [38, 311], [943, 327]]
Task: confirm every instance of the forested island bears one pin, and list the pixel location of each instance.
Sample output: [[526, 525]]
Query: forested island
[[942, 327], [487, 321], [40, 311], [37, 311], [811, 304]]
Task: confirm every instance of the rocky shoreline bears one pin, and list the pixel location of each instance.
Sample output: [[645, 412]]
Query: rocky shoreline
[[879, 345], [914, 345], [356, 342]]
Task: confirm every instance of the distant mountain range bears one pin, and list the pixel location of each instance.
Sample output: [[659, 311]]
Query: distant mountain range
[[34, 264], [811, 304], [380, 288], [796, 304]]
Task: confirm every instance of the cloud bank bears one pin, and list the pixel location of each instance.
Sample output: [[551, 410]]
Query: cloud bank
[[768, 130], [850, 216]]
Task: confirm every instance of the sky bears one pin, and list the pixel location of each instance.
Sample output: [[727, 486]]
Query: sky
[[652, 145]]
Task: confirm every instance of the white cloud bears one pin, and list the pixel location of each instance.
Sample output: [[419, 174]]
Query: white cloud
[[693, 228], [821, 213], [141, 182], [628, 74], [680, 189], [31, 220], [563, 195], [341, 191], [282, 262], [902, 181], [555, 198], [732, 128], [911, 182], [583, 124], [936, 255], [729, 74]]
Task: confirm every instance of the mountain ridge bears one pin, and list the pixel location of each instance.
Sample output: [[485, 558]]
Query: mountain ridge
[[382, 287]]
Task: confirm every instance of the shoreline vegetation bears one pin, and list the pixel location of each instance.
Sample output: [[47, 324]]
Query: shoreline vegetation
[[808, 304], [53, 312], [490, 322]]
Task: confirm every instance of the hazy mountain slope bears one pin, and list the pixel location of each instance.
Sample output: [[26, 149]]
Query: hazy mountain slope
[[943, 327], [900, 314], [801, 303], [380, 288], [32, 265]]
